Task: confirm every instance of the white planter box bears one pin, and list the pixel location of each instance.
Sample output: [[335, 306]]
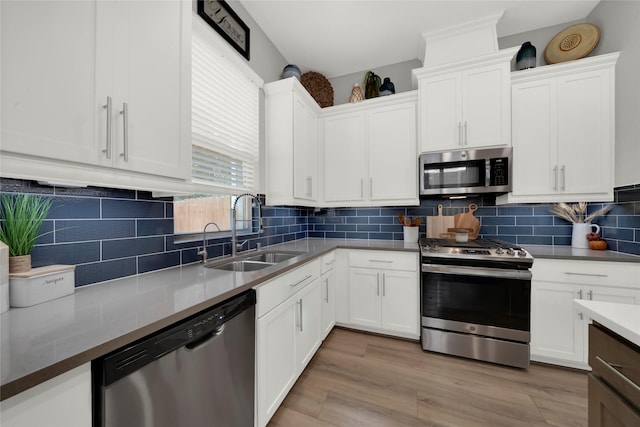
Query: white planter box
[[41, 284]]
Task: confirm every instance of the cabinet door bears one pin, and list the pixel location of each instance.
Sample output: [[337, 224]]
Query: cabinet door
[[486, 106], [328, 284], [364, 297], [607, 408], [557, 331], [49, 106], [584, 131], [305, 159], [276, 362], [400, 298], [393, 155], [534, 138], [344, 148], [308, 324], [613, 294], [440, 112], [152, 77]]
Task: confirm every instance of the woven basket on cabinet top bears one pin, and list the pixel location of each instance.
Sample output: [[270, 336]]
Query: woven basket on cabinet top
[[318, 87]]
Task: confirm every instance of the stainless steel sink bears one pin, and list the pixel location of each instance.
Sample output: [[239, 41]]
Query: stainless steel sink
[[253, 261], [273, 257], [242, 265]]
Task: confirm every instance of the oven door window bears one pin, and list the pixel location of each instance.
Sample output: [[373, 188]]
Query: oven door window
[[500, 302], [470, 173]]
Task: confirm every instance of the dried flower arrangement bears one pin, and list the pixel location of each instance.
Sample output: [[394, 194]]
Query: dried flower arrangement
[[577, 213]]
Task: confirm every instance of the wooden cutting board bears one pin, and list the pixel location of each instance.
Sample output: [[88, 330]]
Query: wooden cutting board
[[467, 220], [436, 225]]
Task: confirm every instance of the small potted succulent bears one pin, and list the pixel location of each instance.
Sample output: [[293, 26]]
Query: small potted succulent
[[22, 216]]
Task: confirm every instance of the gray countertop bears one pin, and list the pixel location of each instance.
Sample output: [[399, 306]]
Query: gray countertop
[[40, 342], [569, 253], [45, 340]]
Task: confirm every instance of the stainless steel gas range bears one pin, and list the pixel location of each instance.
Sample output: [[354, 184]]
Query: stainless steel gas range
[[476, 300]]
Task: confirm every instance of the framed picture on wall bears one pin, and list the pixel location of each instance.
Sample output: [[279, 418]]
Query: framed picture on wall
[[219, 15]]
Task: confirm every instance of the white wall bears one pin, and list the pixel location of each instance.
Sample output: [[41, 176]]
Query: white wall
[[400, 75], [619, 23]]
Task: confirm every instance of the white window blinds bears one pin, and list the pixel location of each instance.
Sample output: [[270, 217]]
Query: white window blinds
[[225, 117]]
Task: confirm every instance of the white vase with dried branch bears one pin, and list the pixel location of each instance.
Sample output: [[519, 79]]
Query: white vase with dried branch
[[577, 214]]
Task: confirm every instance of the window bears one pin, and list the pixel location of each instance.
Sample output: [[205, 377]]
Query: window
[[225, 135], [192, 213]]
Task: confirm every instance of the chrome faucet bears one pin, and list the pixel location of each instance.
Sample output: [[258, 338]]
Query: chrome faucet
[[203, 251], [234, 237]]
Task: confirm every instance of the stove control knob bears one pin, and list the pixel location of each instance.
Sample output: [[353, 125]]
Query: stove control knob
[[522, 252], [499, 251], [510, 251]]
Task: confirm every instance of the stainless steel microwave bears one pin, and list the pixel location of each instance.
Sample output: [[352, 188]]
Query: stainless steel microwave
[[466, 172]]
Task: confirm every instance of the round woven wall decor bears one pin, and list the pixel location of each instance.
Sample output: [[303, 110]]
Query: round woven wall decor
[[318, 87]]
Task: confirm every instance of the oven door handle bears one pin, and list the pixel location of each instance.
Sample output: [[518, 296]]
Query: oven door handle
[[477, 271]]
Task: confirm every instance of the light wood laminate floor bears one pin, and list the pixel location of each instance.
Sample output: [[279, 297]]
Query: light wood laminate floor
[[358, 379]]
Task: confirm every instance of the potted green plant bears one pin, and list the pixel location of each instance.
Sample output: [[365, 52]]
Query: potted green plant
[[22, 217]]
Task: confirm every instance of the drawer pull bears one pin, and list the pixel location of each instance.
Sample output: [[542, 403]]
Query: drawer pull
[[381, 260], [610, 368], [293, 285], [570, 273]]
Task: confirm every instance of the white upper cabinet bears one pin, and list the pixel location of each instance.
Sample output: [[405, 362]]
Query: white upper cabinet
[[291, 150], [369, 154], [63, 61], [563, 132], [49, 105], [465, 104], [344, 158]]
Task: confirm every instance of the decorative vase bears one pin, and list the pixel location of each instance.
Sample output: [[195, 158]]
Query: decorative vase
[[19, 264], [371, 85], [387, 87], [356, 94], [526, 56], [291, 70], [579, 234]]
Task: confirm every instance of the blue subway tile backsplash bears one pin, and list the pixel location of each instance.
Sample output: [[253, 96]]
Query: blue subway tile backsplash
[[112, 233]]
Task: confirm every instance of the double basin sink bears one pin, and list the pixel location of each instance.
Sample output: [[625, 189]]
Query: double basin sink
[[252, 262]]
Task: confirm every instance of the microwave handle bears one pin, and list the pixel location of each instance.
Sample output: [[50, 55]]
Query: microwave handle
[[487, 175]]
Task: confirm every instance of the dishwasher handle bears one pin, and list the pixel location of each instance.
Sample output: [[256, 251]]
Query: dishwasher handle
[[194, 345]]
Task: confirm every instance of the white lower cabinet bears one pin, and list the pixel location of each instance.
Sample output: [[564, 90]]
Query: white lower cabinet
[[63, 401], [558, 330], [384, 292], [288, 333]]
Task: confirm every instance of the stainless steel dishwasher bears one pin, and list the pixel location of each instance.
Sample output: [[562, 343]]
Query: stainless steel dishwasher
[[199, 372]]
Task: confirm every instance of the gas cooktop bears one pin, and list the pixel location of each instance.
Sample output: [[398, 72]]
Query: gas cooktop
[[481, 249]]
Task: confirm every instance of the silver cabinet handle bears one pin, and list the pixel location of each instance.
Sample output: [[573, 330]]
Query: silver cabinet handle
[[381, 260], [108, 107], [293, 285], [362, 188], [580, 294], [377, 284], [460, 134], [326, 286], [301, 329], [580, 316], [555, 174], [125, 127], [570, 273], [371, 187], [590, 294], [309, 187], [612, 371], [466, 142], [562, 169], [384, 284]]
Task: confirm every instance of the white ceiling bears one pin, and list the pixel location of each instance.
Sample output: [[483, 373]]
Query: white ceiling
[[339, 37]]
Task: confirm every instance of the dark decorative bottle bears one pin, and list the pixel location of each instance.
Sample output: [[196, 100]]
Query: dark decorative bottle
[[526, 57], [387, 88]]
